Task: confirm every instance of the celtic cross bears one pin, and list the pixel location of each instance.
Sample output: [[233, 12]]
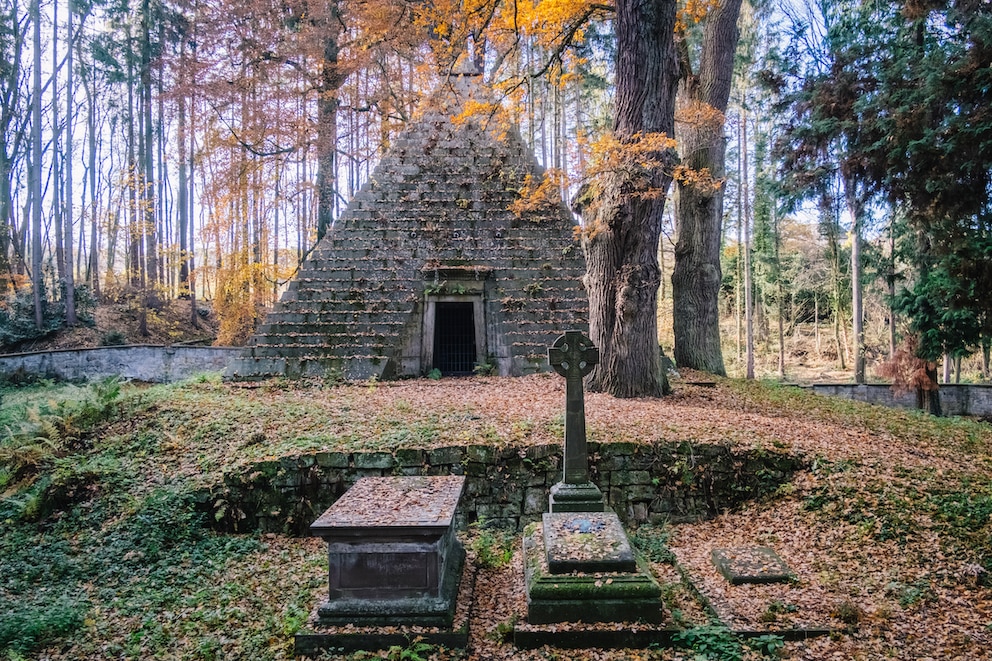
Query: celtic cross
[[573, 356]]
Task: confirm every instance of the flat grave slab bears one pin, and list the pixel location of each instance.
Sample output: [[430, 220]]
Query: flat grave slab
[[392, 552], [423, 502], [751, 564], [586, 542]]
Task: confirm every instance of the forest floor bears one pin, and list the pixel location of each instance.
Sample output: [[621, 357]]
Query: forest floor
[[118, 322], [888, 530]]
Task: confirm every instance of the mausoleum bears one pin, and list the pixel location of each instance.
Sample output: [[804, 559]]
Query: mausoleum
[[430, 266]]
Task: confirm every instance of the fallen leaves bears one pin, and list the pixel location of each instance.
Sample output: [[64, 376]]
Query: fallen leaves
[[888, 535]]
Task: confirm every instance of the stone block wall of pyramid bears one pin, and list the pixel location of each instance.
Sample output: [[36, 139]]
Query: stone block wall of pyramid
[[432, 225]]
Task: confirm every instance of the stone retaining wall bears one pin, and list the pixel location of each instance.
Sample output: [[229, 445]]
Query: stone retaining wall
[[506, 486], [151, 363], [955, 399]]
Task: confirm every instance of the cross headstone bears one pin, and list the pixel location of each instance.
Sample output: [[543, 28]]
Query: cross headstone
[[573, 355]]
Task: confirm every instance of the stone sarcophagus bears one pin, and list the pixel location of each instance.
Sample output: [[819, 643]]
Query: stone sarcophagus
[[393, 557]]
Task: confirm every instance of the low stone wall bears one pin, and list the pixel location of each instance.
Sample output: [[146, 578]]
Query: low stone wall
[[152, 363], [506, 486], [955, 399]]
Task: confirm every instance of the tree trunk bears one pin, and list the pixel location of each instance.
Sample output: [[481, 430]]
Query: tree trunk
[[9, 138], [748, 284], [331, 80], [58, 200], [739, 262], [191, 252], [816, 322], [623, 220], [93, 266], [133, 230], [892, 290], [779, 291], [183, 220], [35, 165], [855, 208], [70, 281], [928, 398], [699, 206], [149, 202]]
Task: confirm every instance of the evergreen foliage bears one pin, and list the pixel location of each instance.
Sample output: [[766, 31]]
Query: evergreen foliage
[[896, 99], [17, 323]]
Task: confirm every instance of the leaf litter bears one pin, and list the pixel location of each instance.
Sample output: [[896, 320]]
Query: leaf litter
[[887, 534]]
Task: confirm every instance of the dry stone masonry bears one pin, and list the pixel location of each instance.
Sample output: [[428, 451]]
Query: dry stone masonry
[[651, 482], [428, 267]]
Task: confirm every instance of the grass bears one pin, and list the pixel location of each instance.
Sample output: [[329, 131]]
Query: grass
[[103, 552]]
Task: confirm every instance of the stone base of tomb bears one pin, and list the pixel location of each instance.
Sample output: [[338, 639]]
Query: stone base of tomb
[[579, 568], [316, 638], [431, 611]]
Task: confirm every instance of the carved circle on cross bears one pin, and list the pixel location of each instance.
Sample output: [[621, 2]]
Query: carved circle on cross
[[573, 355]]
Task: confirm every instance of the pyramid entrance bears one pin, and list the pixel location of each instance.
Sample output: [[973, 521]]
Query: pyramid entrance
[[456, 337]]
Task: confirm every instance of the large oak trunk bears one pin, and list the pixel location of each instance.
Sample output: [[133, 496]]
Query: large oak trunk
[[624, 219], [697, 277]]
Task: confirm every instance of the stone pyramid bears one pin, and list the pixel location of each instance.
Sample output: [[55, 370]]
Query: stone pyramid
[[428, 268]]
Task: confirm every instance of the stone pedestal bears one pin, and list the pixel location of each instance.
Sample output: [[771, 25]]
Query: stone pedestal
[[580, 567], [392, 552], [567, 497]]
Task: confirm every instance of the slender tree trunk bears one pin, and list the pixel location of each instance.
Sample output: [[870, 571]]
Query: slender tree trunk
[[835, 268], [133, 226], [739, 262], [327, 111], [779, 293], [166, 276], [93, 268], [183, 221], [9, 138], [816, 322], [697, 278], [35, 166], [70, 281], [149, 202], [748, 284], [191, 272], [191, 254], [58, 197], [855, 208], [892, 290]]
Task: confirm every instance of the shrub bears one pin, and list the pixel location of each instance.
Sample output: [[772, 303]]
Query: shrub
[[493, 546], [25, 628], [715, 642], [114, 338], [17, 323]]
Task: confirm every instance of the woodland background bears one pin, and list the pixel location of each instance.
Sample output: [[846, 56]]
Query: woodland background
[[196, 150]]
